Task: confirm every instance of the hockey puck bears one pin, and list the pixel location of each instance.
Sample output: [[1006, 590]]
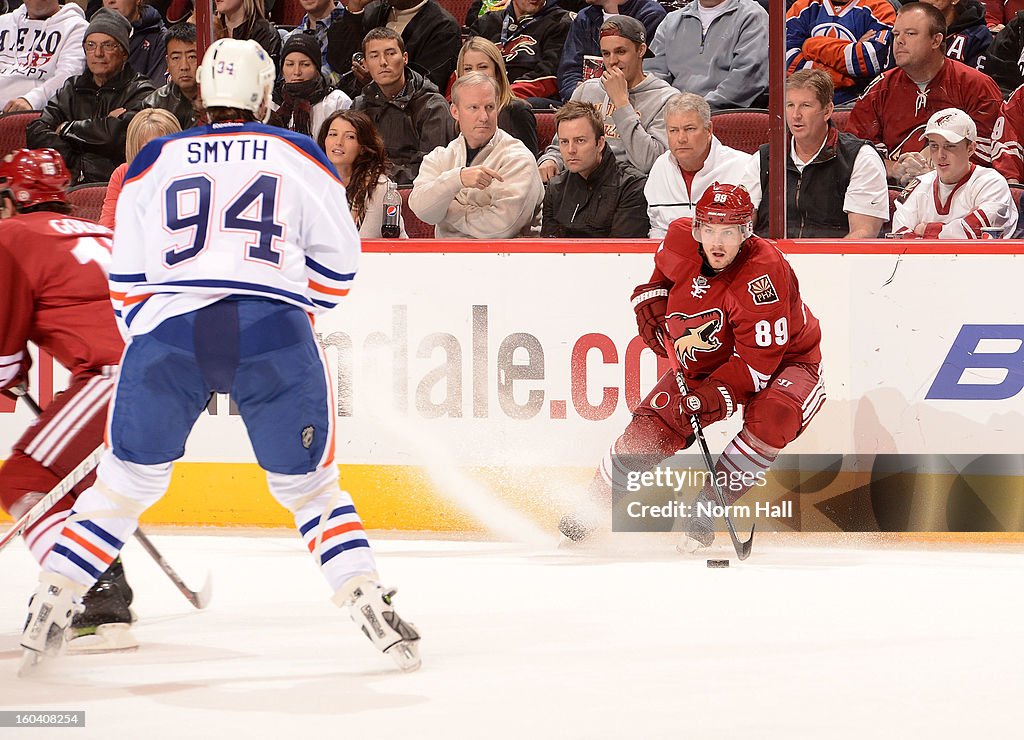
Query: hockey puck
[[718, 563]]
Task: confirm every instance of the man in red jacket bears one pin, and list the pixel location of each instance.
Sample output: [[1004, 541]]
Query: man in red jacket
[[54, 287], [731, 304]]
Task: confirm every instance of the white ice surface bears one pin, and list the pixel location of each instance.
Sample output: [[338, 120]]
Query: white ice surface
[[518, 642]]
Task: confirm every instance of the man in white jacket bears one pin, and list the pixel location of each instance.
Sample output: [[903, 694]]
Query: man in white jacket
[[40, 48], [485, 184], [958, 199], [695, 161]]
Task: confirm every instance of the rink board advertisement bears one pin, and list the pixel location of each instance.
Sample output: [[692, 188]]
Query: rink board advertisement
[[509, 375]]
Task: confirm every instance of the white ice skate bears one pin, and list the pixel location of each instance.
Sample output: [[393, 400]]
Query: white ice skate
[[696, 537], [370, 606], [50, 610]]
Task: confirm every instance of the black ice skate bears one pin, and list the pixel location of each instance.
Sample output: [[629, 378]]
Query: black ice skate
[[105, 623]]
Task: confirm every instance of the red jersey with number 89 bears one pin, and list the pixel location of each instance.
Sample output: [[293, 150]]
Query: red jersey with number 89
[[54, 292], [739, 326]]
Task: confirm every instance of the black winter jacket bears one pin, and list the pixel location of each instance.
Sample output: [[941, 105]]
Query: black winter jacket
[[1005, 60], [412, 124], [171, 99], [531, 45], [431, 39], [92, 143], [147, 53], [609, 204]]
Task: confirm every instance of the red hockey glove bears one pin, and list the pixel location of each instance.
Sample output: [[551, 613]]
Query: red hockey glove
[[711, 402], [650, 302]]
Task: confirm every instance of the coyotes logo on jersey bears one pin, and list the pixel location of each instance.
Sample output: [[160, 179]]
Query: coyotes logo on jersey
[[526, 45], [695, 333]]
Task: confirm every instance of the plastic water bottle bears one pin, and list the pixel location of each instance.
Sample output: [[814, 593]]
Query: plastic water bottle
[[390, 227]]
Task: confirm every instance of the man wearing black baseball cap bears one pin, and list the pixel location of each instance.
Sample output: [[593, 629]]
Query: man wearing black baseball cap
[[630, 102]]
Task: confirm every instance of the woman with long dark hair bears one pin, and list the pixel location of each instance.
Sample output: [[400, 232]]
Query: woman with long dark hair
[[356, 150]]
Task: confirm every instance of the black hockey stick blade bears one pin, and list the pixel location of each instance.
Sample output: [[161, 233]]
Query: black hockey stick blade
[[199, 599]]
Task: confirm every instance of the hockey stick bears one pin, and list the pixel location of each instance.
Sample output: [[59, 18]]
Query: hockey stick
[[200, 599], [59, 491], [742, 548]]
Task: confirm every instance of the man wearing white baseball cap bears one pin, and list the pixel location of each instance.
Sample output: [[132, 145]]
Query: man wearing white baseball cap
[[958, 199]]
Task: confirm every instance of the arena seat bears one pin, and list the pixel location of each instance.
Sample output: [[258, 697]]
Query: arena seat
[[545, 129], [414, 227], [86, 201], [744, 128], [840, 116], [12, 129]]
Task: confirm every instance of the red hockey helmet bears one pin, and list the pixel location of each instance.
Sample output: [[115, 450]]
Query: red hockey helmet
[[724, 204], [34, 176]]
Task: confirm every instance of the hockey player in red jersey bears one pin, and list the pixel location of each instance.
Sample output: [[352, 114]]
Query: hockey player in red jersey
[[731, 304], [55, 295]]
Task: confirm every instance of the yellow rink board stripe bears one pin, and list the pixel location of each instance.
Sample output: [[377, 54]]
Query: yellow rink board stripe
[[387, 497]]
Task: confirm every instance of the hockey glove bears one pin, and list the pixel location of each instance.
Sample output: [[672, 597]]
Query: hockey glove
[[650, 302], [711, 402]]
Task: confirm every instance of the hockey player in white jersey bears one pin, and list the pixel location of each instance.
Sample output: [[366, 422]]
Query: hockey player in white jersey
[[958, 199], [229, 240]]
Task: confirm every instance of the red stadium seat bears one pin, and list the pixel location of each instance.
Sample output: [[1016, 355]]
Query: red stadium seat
[[545, 129], [86, 201], [745, 129], [840, 116], [12, 129], [414, 227], [457, 8], [287, 12]]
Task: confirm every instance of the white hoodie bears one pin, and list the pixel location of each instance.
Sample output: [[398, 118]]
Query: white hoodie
[[37, 57]]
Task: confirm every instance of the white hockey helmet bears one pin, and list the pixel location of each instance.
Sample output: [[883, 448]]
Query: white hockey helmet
[[237, 74]]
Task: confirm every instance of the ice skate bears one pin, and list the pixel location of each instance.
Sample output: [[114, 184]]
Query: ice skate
[[698, 535], [50, 611], [575, 529], [105, 623], [370, 606]]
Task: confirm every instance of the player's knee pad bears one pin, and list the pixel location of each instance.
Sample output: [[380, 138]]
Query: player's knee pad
[[21, 477], [129, 487], [775, 421], [647, 435], [296, 492]]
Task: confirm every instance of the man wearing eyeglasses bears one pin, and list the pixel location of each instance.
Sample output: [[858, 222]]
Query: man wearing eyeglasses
[[87, 119]]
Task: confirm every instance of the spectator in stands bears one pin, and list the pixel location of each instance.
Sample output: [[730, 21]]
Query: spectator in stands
[[356, 150], [320, 16], [87, 119], [967, 36], [515, 116], [28, 80], [303, 99], [999, 13], [407, 110], [597, 197], [483, 185], [695, 161], [851, 40], [146, 51], [958, 199], [717, 49], [835, 182], [148, 124], [631, 102], [247, 19], [180, 96], [1004, 61], [429, 34], [581, 58], [531, 35], [894, 109], [1006, 134]]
